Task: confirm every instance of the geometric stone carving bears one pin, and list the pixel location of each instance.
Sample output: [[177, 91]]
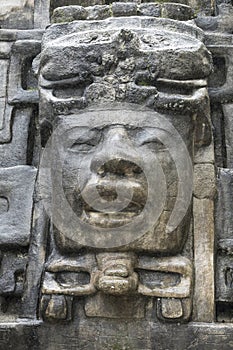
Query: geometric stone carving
[[18, 85], [222, 23], [180, 288], [224, 231], [16, 192], [224, 277], [3, 88], [172, 284], [118, 89], [13, 267], [5, 109], [116, 78], [16, 152], [224, 216], [21, 88], [70, 276], [56, 307]]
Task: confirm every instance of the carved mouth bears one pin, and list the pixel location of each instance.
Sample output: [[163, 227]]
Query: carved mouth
[[107, 220], [111, 218]]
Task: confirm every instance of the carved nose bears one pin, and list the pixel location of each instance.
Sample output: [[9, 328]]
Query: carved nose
[[117, 155]]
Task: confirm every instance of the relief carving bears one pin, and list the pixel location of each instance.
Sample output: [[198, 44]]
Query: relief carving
[[117, 168], [116, 173]]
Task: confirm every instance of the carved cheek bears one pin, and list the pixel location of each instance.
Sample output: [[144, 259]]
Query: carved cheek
[[72, 175]]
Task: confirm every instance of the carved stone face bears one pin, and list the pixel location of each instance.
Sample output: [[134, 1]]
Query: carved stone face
[[110, 159], [121, 178], [123, 166]]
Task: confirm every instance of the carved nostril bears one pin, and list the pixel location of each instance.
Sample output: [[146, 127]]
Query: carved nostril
[[101, 172], [120, 167]]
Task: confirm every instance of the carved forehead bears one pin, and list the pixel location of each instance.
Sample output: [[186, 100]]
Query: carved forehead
[[126, 114], [176, 49]]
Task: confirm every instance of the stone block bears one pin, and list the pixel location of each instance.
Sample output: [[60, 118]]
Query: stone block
[[16, 151], [150, 10], [17, 14], [4, 66], [98, 12], [224, 277], [111, 306], [177, 11], [228, 117], [13, 266], [204, 181], [120, 9], [16, 189], [204, 291], [205, 154], [69, 14], [171, 308], [56, 307], [224, 216], [5, 49]]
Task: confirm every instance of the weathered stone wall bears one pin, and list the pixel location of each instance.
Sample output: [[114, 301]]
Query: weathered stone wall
[[17, 14], [116, 69]]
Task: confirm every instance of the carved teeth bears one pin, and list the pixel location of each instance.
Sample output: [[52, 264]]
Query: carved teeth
[[107, 191], [114, 219]]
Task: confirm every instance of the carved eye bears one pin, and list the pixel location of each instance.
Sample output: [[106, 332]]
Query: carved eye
[[153, 144], [153, 138], [84, 145], [86, 142]]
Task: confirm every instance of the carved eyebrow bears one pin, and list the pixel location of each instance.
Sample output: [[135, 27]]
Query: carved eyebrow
[[151, 130], [88, 135], [151, 135]]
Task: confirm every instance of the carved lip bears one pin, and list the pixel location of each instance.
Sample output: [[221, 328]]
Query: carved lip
[[108, 220], [113, 218]]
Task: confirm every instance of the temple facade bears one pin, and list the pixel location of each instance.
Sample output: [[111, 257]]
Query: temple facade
[[116, 174]]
